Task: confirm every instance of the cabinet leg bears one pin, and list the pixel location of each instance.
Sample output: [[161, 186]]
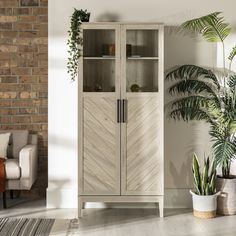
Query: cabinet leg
[[18, 193], [161, 207], [80, 207], [11, 194], [4, 201]]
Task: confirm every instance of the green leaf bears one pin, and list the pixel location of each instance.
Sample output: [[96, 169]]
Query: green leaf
[[192, 86], [224, 150], [194, 101], [197, 190], [232, 53], [212, 27], [207, 189], [188, 114], [186, 72], [196, 174], [212, 183], [205, 176], [232, 83]]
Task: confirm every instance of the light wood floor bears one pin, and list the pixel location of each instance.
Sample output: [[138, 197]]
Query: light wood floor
[[124, 222], [145, 222]]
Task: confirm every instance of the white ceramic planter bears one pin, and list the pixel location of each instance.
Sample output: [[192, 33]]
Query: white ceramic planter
[[226, 203], [204, 206]]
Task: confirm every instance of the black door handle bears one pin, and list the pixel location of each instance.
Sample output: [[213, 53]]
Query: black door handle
[[124, 110], [118, 110]]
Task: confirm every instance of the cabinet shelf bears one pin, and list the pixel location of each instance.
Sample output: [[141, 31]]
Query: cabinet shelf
[[99, 58], [143, 58], [113, 58]]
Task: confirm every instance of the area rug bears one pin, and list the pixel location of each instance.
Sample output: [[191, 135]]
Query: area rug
[[25, 227]]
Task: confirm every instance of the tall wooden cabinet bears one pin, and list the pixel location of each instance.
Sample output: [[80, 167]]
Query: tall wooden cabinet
[[121, 126]]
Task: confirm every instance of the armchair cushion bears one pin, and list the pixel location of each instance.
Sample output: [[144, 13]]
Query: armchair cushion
[[28, 162], [18, 139], [12, 169], [4, 140]]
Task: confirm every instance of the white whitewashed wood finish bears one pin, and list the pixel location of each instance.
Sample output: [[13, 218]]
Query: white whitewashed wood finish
[[121, 162], [144, 163], [100, 165]]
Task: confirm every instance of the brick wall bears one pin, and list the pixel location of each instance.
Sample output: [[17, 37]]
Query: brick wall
[[23, 72]]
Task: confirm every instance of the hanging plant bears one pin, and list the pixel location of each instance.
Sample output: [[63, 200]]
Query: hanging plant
[[75, 40]]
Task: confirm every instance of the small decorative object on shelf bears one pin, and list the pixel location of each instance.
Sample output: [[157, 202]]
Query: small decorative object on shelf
[[128, 50], [75, 41], [135, 88], [97, 88], [108, 49], [204, 196]]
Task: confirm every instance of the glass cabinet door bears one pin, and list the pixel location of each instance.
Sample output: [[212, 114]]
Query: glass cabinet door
[[141, 60], [99, 54]]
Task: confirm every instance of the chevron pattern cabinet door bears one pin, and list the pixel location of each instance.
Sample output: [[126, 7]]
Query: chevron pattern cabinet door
[[144, 160], [101, 155]]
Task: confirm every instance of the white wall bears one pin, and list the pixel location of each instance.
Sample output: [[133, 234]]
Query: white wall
[[181, 139]]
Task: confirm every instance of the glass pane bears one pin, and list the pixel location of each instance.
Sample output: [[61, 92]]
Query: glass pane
[[142, 43], [99, 43], [99, 75], [142, 76], [99, 60], [142, 61]]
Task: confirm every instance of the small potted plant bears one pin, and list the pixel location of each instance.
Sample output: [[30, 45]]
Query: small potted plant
[[75, 40], [204, 195]]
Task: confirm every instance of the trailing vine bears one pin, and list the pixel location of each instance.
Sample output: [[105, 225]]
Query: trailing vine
[[75, 41]]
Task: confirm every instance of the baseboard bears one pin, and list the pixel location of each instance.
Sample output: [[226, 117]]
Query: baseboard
[[67, 198], [62, 198], [177, 198]]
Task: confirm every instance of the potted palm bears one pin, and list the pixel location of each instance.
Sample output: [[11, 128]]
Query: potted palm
[[210, 95], [204, 195]]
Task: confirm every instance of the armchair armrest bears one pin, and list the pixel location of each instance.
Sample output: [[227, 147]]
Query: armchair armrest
[[28, 162]]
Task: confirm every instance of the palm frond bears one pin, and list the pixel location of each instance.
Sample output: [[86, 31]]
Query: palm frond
[[232, 82], [224, 151], [192, 72], [232, 53], [232, 56], [192, 101], [212, 27], [224, 142], [188, 114], [229, 101], [192, 86]]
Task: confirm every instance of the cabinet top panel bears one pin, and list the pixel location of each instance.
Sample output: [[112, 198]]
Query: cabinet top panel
[[115, 24]]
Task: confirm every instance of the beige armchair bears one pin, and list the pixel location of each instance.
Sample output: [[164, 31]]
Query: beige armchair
[[22, 161]]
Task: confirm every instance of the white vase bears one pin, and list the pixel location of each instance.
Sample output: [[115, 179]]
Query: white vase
[[226, 203], [204, 206]]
